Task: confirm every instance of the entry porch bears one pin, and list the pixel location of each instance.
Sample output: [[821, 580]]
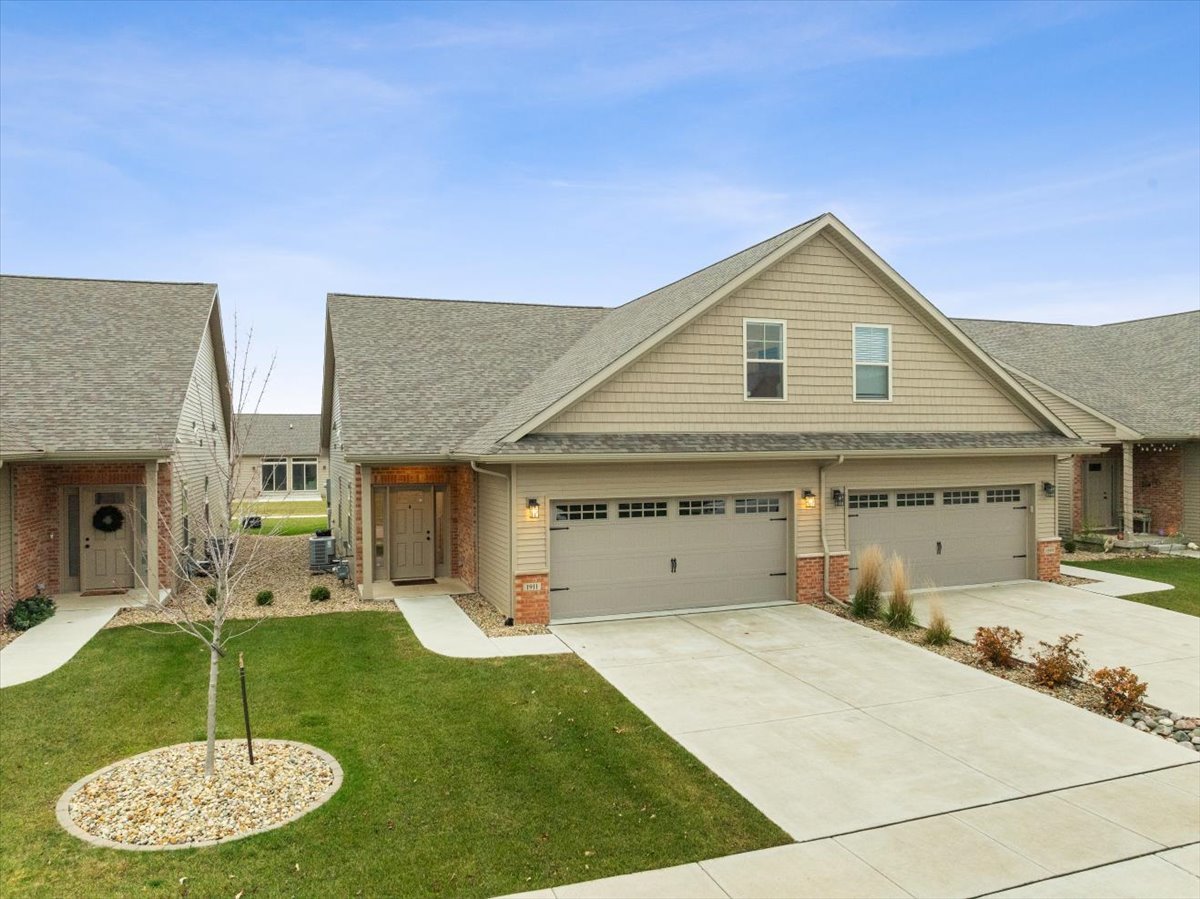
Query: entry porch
[[1132, 489]]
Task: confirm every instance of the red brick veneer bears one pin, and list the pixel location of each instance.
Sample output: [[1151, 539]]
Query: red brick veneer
[[532, 606]]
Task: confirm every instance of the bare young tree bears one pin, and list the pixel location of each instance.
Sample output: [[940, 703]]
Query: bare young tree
[[208, 560]]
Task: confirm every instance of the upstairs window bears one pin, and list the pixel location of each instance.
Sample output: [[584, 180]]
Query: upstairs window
[[765, 357], [872, 362]]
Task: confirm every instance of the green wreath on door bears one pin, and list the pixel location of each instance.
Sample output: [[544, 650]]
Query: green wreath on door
[[108, 519]]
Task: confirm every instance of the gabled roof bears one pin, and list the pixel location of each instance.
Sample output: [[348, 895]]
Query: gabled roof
[[429, 377], [272, 434], [416, 377], [1143, 373], [98, 368]]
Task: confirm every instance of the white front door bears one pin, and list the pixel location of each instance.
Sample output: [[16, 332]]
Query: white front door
[[106, 535], [411, 535], [1098, 511]]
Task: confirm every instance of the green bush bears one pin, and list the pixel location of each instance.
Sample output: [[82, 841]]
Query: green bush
[[264, 597], [210, 596], [319, 593], [25, 613], [1069, 546]]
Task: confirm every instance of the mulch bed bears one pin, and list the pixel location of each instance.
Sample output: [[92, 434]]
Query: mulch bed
[[491, 621]]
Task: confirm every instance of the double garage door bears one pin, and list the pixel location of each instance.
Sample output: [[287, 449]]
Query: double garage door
[[629, 556], [973, 535]]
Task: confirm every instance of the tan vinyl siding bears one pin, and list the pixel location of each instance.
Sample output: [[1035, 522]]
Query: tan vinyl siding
[[935, 473], [1191, 490], [248, 477], [7, 569], [341, 482], [652, 479], [1064, 493], [694, 381], [495, 540], [201, 448], [1086, 425]]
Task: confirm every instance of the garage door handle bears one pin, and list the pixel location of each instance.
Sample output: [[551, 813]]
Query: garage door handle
[[939, 543], [674, 565]]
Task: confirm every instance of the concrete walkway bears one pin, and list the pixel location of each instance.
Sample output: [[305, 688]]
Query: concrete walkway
[[54, 642], [1109, 584], [1162, 647], [1131, 837], [443, 627]]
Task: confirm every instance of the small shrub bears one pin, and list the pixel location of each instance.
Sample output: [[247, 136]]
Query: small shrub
[[30, 611], [1056, 664], [1122, 690], [319, 593], [1069, 546], [264, 597], [938, 632], [865, 603], [998, 645], [899, 612], [210, 596]]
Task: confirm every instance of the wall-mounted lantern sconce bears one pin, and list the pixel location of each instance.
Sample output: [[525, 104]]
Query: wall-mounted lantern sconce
[[839, 498], [532, 509], [1047, 488], [808, 499]]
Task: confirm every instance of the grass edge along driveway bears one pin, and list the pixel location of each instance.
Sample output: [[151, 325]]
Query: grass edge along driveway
[[1183, 572], [463, 777]]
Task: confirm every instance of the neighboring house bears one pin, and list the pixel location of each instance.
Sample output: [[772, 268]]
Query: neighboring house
[[114, 403], [735, 437], [280, 457], [1133, 387]]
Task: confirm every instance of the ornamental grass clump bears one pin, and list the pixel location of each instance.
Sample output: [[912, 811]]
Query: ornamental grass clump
[[998, 645], [865, 603], [899, 612], [1056, 664], [938, 632], [1121, 688]]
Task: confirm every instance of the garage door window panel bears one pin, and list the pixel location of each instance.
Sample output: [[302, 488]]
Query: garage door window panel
[[693, 507], [912, 499], [1006, 495], [960, 498], [868, 500], [872, 363], [642, 509], [580, 511], [755, 505], [765, 343]]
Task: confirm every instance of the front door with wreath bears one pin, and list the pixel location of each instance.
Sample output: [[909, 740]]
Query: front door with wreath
[[106, 538]]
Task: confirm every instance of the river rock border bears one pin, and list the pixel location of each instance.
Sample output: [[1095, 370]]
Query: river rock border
[[62, 808]]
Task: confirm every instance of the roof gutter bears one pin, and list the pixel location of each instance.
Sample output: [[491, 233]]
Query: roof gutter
[[524, 458], [92, 456], [821, 519], [512, 543]]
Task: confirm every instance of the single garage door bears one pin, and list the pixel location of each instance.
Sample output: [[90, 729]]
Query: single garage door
[[625, 556], [974, 535]]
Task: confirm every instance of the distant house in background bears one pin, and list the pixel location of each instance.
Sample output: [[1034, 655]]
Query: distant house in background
[[281, 457], [1133, 387], [114, 403]]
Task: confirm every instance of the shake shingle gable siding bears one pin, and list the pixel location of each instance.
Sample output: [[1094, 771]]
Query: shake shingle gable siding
[[96, 366]]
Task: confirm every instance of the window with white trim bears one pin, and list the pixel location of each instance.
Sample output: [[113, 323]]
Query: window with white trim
[[580, 511], [908, 500], [960, 497], [690, 507], [752, 505], [304, 474], [642, 509], [274, 475], [765, 344], [868, 500], [1005, 495], [872, 362]]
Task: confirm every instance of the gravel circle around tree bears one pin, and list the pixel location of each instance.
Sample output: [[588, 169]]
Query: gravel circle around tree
[[161, 799]]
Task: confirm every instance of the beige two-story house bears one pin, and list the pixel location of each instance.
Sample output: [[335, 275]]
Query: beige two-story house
[[736, 437]]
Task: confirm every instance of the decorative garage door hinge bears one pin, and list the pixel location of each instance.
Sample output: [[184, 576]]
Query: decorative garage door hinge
[[558, 589], [1022, 556], [561, 527], [778, 574]]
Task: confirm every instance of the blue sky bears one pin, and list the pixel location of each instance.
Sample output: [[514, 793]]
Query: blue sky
[[1031, 161]]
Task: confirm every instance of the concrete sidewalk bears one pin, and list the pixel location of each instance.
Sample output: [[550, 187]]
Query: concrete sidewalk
[[1109, 584], [1131, 837], [54, 642], [443, 627]]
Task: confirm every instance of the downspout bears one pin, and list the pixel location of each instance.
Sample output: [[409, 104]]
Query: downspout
[[821, 520], [512, 541]]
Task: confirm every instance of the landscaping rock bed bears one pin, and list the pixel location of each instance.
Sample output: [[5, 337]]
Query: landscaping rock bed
[[489, 620], [1147, 718], [162, 800], [280, 564]]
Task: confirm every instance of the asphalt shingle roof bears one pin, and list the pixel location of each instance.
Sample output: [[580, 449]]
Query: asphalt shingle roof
[[1144, 373], [96, 366], [269, 434], [418, 376], [746, 442]]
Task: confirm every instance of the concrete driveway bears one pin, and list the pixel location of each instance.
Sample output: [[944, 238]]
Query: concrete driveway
[[1163, 647], [831, 728]]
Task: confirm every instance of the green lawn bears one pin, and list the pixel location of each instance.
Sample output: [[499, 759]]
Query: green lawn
[[288, 526], [282, 508], [1183, 573], [463, 777]]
